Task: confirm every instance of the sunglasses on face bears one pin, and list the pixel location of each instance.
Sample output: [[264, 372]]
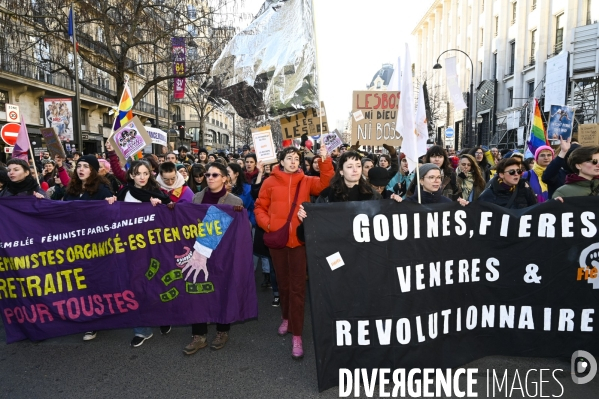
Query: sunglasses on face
[[213, 175], [514, 171], [593, 161]]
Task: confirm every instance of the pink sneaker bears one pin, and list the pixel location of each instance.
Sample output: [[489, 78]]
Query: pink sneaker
[[283, 328], [297, 352]]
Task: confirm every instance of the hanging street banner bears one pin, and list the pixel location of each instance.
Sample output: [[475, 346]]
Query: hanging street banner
[[374, 115], [405, 286], [305, 122], [179, 69], [71, 267], [157, 136]]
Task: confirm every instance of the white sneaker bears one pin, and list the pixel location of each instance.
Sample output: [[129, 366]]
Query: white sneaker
[[90, 335]]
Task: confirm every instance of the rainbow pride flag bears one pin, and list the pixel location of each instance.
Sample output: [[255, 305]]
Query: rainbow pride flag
[[125, 109], [538, 134]]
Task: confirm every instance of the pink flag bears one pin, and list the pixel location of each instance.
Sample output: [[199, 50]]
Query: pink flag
[[21, 148]]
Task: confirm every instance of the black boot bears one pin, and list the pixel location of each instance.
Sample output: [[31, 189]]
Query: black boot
[[266, 282]]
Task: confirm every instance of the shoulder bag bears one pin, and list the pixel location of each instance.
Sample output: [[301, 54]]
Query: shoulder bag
[[278, 239]]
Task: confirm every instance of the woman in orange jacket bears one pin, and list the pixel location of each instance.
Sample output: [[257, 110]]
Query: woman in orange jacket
[[272, 210]]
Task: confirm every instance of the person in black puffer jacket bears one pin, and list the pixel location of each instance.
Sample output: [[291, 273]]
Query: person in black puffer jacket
[[555, 173], [507, 189]]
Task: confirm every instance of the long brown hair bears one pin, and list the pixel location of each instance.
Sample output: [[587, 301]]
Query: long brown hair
[[477, 174], [92, 184]]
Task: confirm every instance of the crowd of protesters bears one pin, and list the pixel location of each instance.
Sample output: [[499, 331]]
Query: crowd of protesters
[[273, 195]]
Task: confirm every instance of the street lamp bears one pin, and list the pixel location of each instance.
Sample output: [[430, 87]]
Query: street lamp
[[471, 133]]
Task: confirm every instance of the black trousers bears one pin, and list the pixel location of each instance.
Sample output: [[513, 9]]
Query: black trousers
[[202, 328]]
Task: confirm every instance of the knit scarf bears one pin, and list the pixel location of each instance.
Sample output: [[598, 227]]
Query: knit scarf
[[505, 186], [467, 184], [28, 185], [175, 189], [142, 195], [250, 176], [538, 169]]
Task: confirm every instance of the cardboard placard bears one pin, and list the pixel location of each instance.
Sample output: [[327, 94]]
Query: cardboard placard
[[588, 134], [374, 117], [130, 139], [53, 143], [264, 145], [305, 122]]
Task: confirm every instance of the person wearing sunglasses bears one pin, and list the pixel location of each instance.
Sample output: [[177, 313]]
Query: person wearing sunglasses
[[214, 194], [507, 189], [585, 161], [197, 180]]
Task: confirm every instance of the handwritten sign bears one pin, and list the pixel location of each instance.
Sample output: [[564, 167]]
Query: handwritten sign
[[305, 122], [375, 115], [588, 134], [264, 145]]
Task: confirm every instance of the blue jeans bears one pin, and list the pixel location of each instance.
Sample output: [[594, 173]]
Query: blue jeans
[[142, 331]]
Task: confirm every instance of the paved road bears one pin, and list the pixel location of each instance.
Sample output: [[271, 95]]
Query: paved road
[[256, 363]]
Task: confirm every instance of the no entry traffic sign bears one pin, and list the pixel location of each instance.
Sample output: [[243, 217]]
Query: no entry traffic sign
[[9, 132]]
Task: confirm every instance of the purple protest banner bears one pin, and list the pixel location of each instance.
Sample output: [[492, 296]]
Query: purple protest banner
[[179, 59], [70, 267]]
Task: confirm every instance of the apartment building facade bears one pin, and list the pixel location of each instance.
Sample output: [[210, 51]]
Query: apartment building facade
[[509, 44]]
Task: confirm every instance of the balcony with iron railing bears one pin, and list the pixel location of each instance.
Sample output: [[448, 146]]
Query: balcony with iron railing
[[531, 62], [557, 48], [33, 69]]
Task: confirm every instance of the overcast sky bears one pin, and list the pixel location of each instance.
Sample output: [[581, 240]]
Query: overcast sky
[[355, 38]]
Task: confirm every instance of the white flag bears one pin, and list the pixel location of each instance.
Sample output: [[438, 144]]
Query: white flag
[[453, 86], [421, 125], [405, 114], [395, 81]]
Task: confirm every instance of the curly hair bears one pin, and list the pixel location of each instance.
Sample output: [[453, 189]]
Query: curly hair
[[92, 184]]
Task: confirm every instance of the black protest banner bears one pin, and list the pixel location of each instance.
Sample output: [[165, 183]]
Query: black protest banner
[[402, 285]]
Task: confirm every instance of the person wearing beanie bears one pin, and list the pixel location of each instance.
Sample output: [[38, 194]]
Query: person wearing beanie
[[87, 183], [543, 157], [437, 156], [556, 172], [430, 186], [182, 169], [378, 178]]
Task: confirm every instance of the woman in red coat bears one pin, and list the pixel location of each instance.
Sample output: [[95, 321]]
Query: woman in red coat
[[272, 209]]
